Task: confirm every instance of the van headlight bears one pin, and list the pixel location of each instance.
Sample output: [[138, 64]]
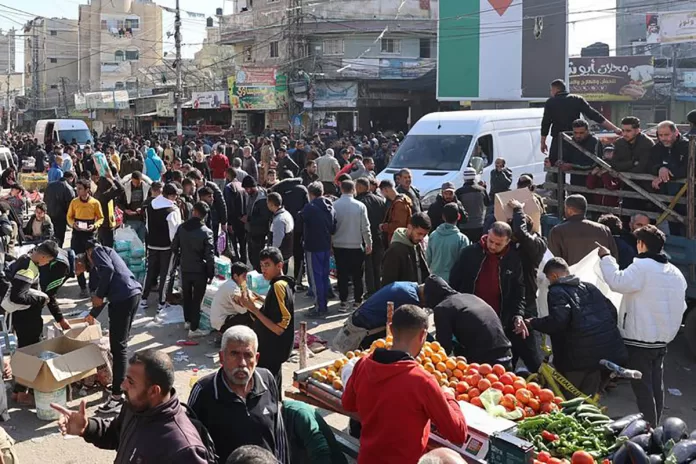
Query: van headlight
[[429, 198]]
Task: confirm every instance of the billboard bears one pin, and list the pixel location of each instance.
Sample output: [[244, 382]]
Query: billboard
[[336, 94], [208, 100], [612, 78], [257, 89], [108, 100], [505, 50], [669, 28], [399, 68]]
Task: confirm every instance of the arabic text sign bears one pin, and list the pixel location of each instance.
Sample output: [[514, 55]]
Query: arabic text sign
[[673, 27], [208, 100], [257, 89], [612, 78], [108, 100], [338, 94]]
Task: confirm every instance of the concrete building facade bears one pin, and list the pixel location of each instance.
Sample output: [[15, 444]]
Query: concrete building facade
[[116, 39], [7, 51]]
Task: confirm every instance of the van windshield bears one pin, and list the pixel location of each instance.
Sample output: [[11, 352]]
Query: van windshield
[[436, 152], [81, 136]]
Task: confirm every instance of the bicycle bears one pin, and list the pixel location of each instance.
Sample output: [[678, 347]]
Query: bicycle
[[549, 377]]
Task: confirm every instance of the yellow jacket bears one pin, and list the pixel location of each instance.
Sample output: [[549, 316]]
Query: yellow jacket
[[89, 211]]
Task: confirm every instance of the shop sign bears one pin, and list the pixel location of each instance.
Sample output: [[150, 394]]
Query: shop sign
[[208, 100], [109, 100], [673, 27], [337, 94], [690, 79], [365, 68], [612, 78], [397, 68], [257, 89], [164, 109]]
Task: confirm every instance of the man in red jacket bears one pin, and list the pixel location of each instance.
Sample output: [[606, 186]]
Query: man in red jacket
[[396, 399], [218, 167]]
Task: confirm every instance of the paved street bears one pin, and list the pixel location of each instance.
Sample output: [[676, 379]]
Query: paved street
[[39, 442]]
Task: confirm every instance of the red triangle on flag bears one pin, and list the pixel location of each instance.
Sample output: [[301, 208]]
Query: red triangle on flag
[[500, 6]]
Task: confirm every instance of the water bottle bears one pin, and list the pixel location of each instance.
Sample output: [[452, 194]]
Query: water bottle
[[194, 378]]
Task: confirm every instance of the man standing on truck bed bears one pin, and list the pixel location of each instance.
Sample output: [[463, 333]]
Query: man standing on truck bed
[[559, 113]]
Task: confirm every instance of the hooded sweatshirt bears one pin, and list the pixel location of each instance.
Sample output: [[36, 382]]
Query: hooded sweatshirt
[[444, 246], [488, 282], [404, 261], [154, 167], [396, 400], [157, 228], [319, 222]]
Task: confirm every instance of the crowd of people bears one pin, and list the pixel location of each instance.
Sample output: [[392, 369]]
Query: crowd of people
[[291, 209]]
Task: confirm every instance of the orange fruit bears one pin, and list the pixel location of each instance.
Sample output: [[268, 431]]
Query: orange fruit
[[430, 367], [546, 396], [448, 372], [380, 343], [523, 395], [534, 404], [484, 385], [509, 390], [485, 369], [338, 364], [435, 346], [337, 384], [476, 401], [427, 352], [350, 355], [451, 364], [463, 397], [474, 366], [473, 392], [534, 388], [507, 379], [498, 386], [519, 383], [498, 370], [440, 366], [452, 383], [458, 373], [435, 358], [462, 387], [462, 366], [475, 379], [492, 378]]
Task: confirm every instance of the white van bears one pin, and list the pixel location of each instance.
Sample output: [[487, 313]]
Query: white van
[[50, 131], [441, 145]]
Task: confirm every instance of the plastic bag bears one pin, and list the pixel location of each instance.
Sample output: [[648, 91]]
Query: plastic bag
[[126, 233], [222, 242], [491, 403]]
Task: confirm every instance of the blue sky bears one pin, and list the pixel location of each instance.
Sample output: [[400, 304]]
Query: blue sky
[[584, 29]]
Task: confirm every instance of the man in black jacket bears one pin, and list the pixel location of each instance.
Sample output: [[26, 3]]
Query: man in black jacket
[[582, 323], [295, 197], [574, 158], [285, 163], [218, 211], [466, 325], [446, 196], [376, 209], [406, 187], [58, 196], [404, 260], [492, 270], [475, 199], [559, 113], [239, 404], [236, 201], [194, 244], [152, 427], [257, 220]]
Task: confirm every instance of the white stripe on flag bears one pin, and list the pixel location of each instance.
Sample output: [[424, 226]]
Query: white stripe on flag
[[500, 48]]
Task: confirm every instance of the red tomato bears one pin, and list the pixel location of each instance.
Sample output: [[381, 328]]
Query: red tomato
[[544, 456]]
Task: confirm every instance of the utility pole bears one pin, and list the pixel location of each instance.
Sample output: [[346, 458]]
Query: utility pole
[[65, 97], [35, 67], [179, 90], [675, 79], [296, 49], [8, 108]]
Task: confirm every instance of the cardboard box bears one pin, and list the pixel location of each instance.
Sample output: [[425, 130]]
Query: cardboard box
[[504, 213], [80, 330], [77, 360]]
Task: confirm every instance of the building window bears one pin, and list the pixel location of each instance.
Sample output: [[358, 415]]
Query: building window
[[132, 55], [53, 60], [274, 50], [119, 85], [119, 55], [54, 86], [247, 54], [391, 46], [132, 23], [425, 50], [54, 32], [333, 47]]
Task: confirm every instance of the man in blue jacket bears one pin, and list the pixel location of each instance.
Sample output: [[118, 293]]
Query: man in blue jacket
[[319, 221], [110, 278]]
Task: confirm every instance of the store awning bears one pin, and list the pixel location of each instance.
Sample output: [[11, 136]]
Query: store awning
[[146, 115]]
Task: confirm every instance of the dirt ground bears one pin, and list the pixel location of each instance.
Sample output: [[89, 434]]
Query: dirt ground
[[39, 442]]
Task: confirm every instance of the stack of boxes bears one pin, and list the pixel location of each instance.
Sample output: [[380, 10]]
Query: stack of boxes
[[133, 253], [223, 271]]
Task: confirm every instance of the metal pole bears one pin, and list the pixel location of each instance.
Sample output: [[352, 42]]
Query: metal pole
[[8, 108], [675, 80], [177, 96], [65, 97]]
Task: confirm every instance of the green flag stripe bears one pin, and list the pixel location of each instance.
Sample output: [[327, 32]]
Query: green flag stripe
[[458, 48]]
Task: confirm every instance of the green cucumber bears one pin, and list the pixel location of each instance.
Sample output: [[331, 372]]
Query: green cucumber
[[589, 408], [592, 416], [575, 402]]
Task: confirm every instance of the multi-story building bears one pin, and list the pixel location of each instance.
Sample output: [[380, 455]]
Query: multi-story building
[[675, 87], [355, 64], [7, 51], [50, 62], [116, 39]]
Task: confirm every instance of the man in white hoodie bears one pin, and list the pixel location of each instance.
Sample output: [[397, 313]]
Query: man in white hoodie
[[650, 315], [162, 218], [327, 168]]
